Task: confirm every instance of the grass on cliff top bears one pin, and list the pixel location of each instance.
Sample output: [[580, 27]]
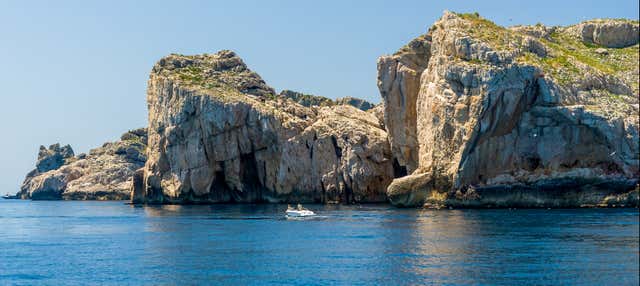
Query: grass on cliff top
[[617, 60], [498, 37], [195, 77], [565, 52]]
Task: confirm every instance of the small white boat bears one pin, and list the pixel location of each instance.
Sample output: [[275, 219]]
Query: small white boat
[[9, 197], [298, 212]]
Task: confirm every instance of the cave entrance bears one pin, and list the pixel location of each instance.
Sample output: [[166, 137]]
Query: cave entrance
[[398, 171]]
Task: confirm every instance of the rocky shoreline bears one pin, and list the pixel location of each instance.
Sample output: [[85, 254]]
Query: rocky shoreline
[[473, 115]]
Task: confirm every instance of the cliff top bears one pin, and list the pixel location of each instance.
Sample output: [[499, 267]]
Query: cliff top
[[594, 63], [223, 72], [225, 75], [563, 51]]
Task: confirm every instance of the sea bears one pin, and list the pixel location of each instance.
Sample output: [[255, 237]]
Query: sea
[[114, 243]]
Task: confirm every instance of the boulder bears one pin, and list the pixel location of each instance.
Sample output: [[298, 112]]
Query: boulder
[[411, 190]]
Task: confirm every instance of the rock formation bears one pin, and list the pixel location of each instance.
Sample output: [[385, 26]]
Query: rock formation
[[103, 174], [528, 116], [399, 83], [218, 133], [307, 100], [52, 158], [315, 100], [607, 33], [355, 102], [472, 115]]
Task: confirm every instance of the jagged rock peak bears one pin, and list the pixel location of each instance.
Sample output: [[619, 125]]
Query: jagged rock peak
[[222, 71], [53, 157]]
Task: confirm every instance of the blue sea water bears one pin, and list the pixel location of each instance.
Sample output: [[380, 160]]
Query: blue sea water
[[111, 243]]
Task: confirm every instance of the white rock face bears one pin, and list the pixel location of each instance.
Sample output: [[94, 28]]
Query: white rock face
[[608, 33], [399, 84], [219, 134], [491, 128]]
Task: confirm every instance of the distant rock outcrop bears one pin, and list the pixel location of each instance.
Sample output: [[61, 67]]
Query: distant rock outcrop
[[213, 139], [355, 102], [528, 116], [315, 100], [104, 174], [306, 100]]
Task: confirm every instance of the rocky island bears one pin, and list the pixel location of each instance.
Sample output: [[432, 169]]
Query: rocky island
[[472, 115]]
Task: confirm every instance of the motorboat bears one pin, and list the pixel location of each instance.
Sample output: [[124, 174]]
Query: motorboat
[[9, 197], [299, 211]]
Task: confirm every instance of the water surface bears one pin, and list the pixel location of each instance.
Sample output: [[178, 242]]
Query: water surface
[[111, 243]]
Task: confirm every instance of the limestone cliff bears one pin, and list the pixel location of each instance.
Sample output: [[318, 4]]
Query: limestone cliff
[[103, 174], [527, 116], [218, 133], [399, 83]]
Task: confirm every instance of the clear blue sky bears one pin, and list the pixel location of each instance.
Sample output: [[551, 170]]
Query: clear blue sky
[[75, 72]]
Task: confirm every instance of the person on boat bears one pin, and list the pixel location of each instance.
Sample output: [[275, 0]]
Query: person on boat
[[289, 207], [300, 207]]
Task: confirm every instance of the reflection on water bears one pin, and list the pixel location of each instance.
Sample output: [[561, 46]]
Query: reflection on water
[[113, 243]]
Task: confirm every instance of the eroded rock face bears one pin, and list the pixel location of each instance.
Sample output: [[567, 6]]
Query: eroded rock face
[[212, 141], [103, 174], [497, 126], [608, 33]]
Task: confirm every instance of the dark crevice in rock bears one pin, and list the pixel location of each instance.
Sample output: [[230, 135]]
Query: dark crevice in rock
[[219, 185], [398, 171], [337, 149]]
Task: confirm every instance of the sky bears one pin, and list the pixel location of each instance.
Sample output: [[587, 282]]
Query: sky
[[75, 72]]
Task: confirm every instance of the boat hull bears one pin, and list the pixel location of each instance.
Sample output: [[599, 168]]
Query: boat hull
[[297, 213]]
